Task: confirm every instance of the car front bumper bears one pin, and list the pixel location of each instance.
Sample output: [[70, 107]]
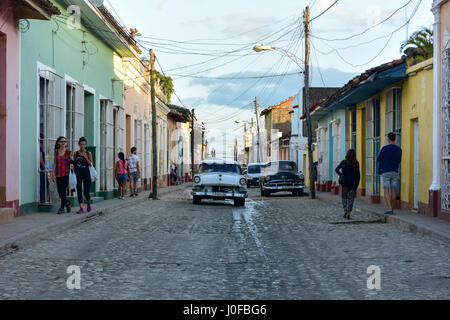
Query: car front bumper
[[283, 187], [219, 195]]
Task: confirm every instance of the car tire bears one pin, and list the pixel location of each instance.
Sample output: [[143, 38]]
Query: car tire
[[266, 193], [197, 200], [239, 202], [295, 193], [300, 193]]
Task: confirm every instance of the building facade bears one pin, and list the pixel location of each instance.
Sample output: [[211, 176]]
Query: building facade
[[72, 86], [11, 31], [439, 191]]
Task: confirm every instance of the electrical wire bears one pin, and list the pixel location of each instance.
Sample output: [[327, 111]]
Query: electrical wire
[[368, 28], [384, 47], [331, 6]]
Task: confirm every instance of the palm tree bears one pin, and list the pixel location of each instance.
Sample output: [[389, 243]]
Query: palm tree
[[419, 45]]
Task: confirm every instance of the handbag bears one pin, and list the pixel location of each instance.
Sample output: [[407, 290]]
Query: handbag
[[93, 173], [72, 180]]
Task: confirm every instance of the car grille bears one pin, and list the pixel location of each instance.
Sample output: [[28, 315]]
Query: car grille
[[222, 189], [282, 183]]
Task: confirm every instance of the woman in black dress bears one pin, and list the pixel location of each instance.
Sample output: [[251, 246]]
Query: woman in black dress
[[349, 176], [83, 159]]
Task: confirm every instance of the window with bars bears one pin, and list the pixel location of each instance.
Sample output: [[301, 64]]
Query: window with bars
[[394, 114], [353, 129], [376, 145], [147, 148], [107, 145], [74, 115], [369, 150], [138, 139], [51, 126]]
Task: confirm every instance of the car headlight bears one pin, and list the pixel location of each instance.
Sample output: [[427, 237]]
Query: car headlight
[[197, 179], [301, 176], [243, 181]]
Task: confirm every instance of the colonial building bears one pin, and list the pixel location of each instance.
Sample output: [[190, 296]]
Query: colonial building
[[71, 85], [277, 119], [11, 31], [393, 97], [439, 192]]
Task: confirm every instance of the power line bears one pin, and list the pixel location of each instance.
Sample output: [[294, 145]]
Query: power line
[[384, 47], [367, 29], [324, 11]]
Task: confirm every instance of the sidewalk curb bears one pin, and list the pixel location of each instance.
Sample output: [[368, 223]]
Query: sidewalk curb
[[27, 239], [397, 221]]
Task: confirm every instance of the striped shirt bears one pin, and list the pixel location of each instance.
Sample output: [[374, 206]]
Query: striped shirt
[[62, 165]]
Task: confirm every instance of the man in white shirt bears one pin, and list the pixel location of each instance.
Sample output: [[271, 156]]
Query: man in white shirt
[[133, 165]]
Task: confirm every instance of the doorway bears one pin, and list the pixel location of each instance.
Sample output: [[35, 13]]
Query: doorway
[[416, 164]]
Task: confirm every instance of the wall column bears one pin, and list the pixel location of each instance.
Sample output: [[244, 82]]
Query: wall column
[[435, 188]]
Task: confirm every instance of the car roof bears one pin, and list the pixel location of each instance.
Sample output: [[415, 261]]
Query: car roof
[[219, 160]]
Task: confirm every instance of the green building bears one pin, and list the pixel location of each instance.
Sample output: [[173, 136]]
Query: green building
[[72, 86]]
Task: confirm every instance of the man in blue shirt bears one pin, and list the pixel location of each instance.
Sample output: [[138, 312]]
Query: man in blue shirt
[[389, 160]]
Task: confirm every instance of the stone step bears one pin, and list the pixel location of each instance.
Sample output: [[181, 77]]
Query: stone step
[[6, 215]]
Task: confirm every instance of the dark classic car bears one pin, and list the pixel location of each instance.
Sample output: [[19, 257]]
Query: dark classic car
[[277, 176]]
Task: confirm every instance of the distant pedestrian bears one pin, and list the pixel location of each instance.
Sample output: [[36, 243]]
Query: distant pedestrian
[[389, 160], [173, 174], [83, 160], [62, 165], [349, 176], [43, 180], [122, 174], [133, 164]]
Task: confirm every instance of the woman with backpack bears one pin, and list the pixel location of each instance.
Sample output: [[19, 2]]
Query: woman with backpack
[[122, 174], [349, 176], [62, 165], [83, 160]]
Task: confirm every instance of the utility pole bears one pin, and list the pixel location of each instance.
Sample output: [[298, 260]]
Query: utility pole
[[192, 144], [203, 138], [257, 126], [312, 188], [154, 194]]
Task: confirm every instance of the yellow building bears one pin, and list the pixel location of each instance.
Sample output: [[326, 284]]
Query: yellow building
[[405, 108]]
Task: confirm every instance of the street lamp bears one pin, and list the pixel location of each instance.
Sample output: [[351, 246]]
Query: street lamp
[[304, 66]]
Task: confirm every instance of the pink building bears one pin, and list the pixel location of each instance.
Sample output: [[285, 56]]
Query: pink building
[[13, 21], [439, 192]]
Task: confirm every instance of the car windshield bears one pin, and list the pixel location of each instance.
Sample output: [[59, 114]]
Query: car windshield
[[219, 167], [273, 167], [254, 169]]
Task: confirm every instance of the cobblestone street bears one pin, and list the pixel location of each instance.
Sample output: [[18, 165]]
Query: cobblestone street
[[281, 247]]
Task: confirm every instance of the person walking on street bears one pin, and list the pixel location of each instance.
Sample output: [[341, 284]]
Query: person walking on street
[[83, 160], [389, 160], [133, 165], [122, 174], [62, 165], [349, 176]]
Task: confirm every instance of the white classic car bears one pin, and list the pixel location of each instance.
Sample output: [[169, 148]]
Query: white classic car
[[219, 179]]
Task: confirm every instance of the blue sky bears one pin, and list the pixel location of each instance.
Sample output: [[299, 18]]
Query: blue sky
[[210, 38]]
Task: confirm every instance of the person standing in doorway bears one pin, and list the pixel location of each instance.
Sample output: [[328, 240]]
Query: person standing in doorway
[[83, 160], [133, 165], [349, 176], [62, 165], [389, 160], [43, 185]]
